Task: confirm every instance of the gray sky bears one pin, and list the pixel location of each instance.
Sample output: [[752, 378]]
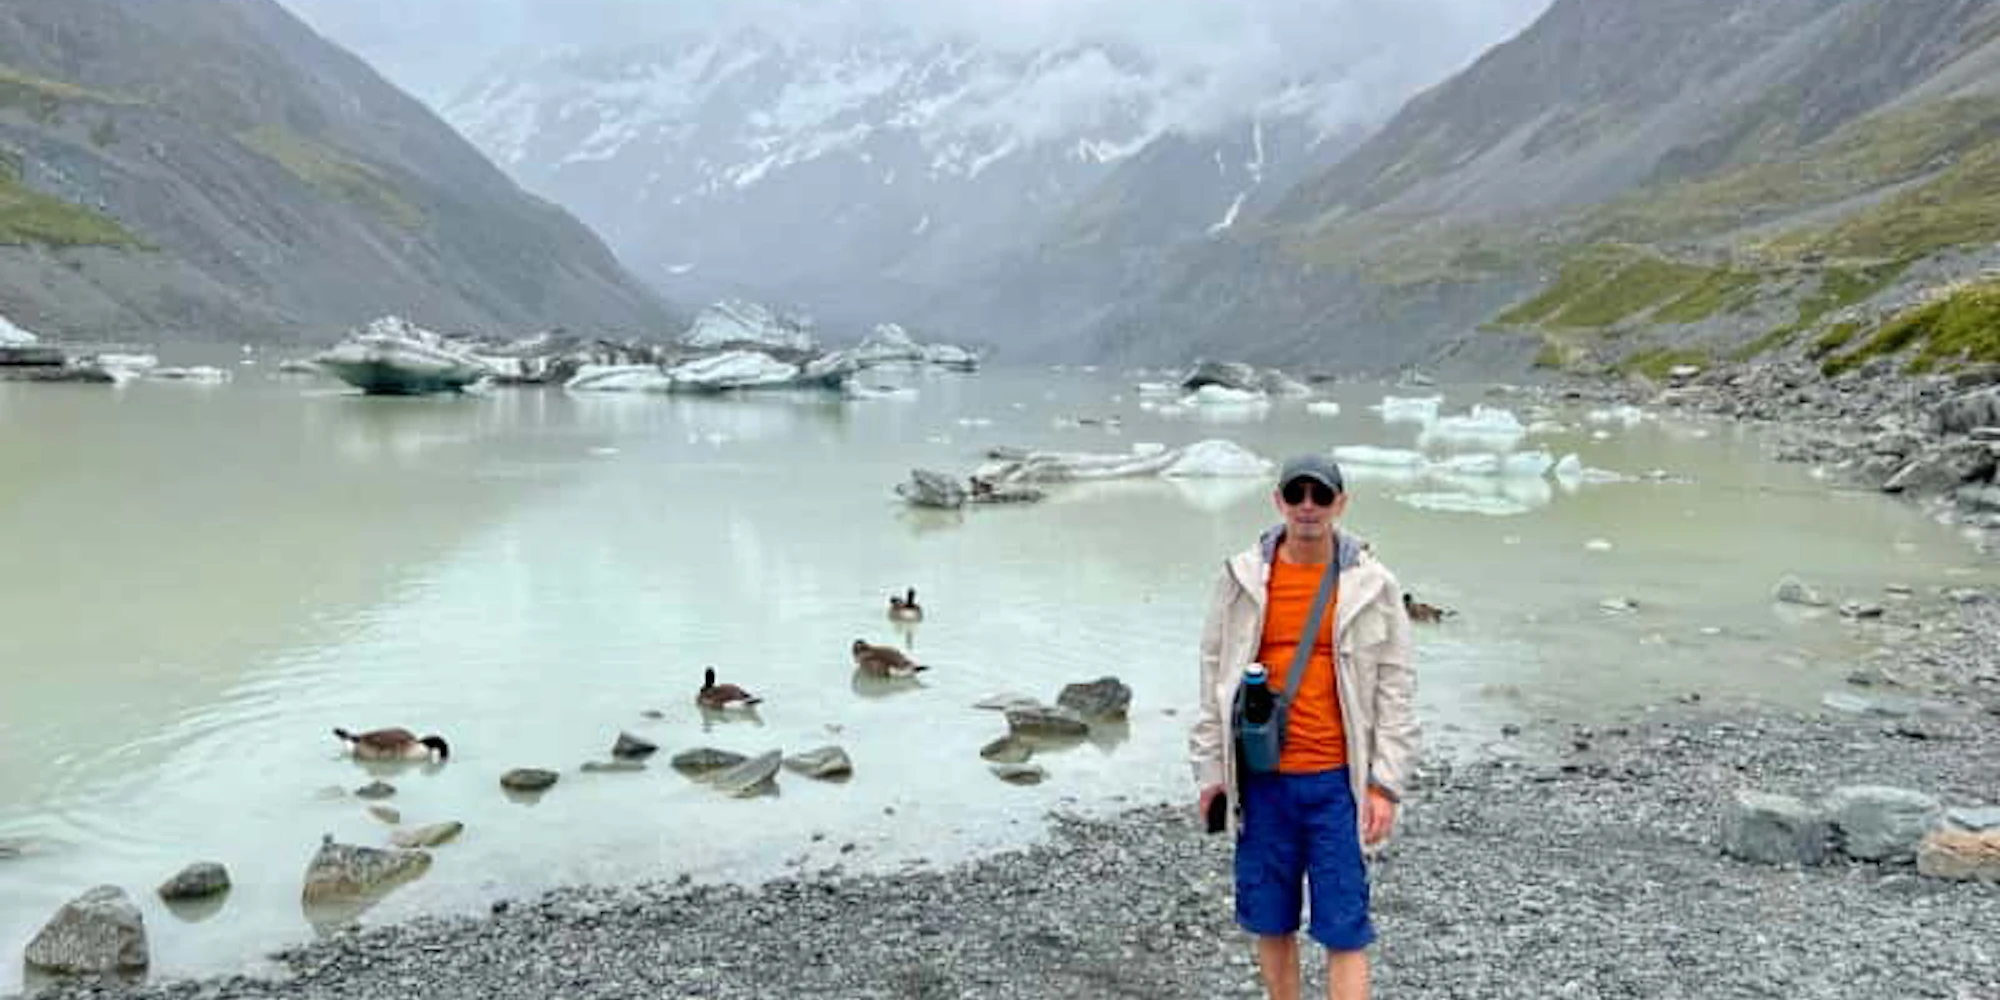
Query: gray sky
[[434, 47]]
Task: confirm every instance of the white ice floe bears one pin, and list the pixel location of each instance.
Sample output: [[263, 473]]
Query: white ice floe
[[855, 391], [974, 422], [1623, 415], [734, 321], [1222, 395], [1370, 455], [732, 370], [1408, 409], [620, 378], [1465, 503], [1542, 428], [137, 364], [1218, 459], [394, 355], [1148, 448], [14, 336], [1323, 408], [1486, 426], [1156, 390], [1597, 545], [1571, 471]]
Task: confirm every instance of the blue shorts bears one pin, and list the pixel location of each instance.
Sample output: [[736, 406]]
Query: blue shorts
[[1300, 828]]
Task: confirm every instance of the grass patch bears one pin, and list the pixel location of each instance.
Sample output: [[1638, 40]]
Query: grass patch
[[1604, 286], [29, 217], [1658, 363], [332, 174], [1768, 342], [1960, 207], [1963, 327], [1834, 339]]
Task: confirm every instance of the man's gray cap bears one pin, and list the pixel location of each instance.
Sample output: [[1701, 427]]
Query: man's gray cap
[[1316, 467]]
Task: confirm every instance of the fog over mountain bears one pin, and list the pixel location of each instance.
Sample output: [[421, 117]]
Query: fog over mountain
[[868, 160]]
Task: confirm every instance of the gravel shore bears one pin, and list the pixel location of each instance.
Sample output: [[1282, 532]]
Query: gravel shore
[[1586, 864]]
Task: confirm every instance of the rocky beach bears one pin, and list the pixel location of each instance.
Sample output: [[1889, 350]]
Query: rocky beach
[[1574, 859]]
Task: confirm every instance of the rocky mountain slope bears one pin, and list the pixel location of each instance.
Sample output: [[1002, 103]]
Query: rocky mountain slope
[[881, 178], [1629, 185], [201, 168]]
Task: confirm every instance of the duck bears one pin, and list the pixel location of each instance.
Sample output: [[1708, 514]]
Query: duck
[[1421, 612], [905, 608], [883, 661], [394, 743], [723, 696]]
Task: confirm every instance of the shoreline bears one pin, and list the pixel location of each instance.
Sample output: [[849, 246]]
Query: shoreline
[[1586, 866]]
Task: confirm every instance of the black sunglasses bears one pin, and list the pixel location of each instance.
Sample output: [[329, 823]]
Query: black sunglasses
[[1295, 492]]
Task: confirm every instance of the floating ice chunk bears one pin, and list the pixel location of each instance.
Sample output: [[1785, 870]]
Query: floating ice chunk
[[1222, 395], [1600, 435], [1624, 415], [1218, 459], [129, 362], [1470, 465], [1323, 409], [974, 422], [854, 391], [1527, 464], [1571, 471], [1597, 545], [1148, 448], [1485, 425], [620, 378], [205, 374], [1465, 503], [1546, 427], [1370, 455], [1408, 409]]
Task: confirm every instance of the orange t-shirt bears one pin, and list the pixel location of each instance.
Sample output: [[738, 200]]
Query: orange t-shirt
[[1315, 739]]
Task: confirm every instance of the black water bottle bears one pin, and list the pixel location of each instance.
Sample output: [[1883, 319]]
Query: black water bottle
[[1257, 701]]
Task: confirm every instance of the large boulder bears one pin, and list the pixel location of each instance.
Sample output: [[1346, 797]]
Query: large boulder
[[1775, 830], [343, 872], [1961, 856], [98, 932], [1104, 698], [630, 747], [756, 776], [1880, 823], [825, 762], [1961, 413], [1046, 722], [197, 881]]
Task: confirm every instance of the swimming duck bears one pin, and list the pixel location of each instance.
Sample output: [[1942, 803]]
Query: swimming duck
[[1421, 612], [905, 608], [883, 661], [393, 744], [722, 696]]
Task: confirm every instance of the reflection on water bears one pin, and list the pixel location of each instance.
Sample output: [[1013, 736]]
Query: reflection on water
[[202, 584]]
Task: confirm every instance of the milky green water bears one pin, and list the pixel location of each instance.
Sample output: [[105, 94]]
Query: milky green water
[[197, 583]]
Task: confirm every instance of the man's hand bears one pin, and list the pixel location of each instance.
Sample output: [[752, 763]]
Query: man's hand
[[1378, 814], [1208, 795]]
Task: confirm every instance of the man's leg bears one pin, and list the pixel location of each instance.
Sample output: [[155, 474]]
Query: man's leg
[[1278, 959], [1346, 975]]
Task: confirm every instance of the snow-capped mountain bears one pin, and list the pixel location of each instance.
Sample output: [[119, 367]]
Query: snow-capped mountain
[[856, 178]]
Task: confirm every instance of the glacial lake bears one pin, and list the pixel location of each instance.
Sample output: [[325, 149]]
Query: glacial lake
[[201, 581]]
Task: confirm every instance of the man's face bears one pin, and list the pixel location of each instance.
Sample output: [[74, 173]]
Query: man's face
[[1310, 508]]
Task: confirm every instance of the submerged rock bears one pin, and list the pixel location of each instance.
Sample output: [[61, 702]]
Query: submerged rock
[[196, 881], [98, 932], [756, 776], [630, 747], [1007, 750], [1106, 698], [926, 488], [705, 760], [825, 762], [1019, 774], [344, 872], [528, 779], [1046, 722], [613, 766], [431, 835], [1792, 590]]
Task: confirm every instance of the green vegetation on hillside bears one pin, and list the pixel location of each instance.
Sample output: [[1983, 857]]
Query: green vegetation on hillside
[[1603, 286], [42, 99], [28, 217], [1657, 363], [1960, 207], [1839, 288], [334, 175], [1959, 328]]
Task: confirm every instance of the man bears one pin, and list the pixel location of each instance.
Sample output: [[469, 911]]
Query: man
[[1350, 739]]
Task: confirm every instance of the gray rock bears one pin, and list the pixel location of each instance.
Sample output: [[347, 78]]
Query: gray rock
[[12, 847], [705, 760], [1861, 610], [1228, 374], [1104, 698], [1962, 413], [1020, 774], [1976, 819], [1007, 750], [196, 881], [528, 779], [431, 835], [1986, 498], [1005, 702], [385, 814], [613, 766], [1775, 830], [1987, 434], [1047, 722], [630, 747], [98, 932], [375, 790], [932, 489], [1960, 856], [756, 776], [1881, 823], [341, 872], [824, 762], [1792, 590]]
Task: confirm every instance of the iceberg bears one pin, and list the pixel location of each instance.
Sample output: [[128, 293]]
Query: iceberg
[[1409, 409], [620, 378], [14, 336], [736, 323], [1485, 425], [1323, 409], [393, 356], [1222, 395], [731, 370], [1217, 459]]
